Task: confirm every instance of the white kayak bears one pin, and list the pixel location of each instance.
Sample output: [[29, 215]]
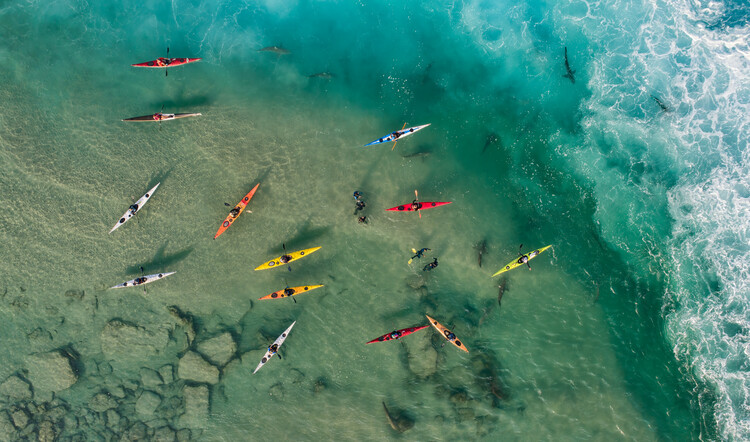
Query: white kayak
[[401, 134], [138, 205], [143, 280], [269, 354]]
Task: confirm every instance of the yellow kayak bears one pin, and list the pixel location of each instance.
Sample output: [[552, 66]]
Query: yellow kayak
[[519, 261], [290, 291], [289, 258], [447, 334]]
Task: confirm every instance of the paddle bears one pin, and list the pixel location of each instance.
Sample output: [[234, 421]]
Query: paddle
[[411, 259], [166, 73], [144, 288], [288, 266], [394, 144], [287, 286], [416, 195]]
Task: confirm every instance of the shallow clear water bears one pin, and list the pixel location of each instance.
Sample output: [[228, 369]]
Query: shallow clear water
[[624, 329]]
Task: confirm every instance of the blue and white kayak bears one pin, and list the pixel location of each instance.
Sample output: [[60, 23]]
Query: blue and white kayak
[[143, 280], [138, 205], [395, 136], [270, 354]]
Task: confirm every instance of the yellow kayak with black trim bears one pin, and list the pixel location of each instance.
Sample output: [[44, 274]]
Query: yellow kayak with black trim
[[447, 334], [519, 261], [289, 258], [291, 291]]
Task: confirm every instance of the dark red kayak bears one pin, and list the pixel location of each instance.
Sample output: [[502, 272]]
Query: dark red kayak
[[162, 62], [401, 333], [422, 206]]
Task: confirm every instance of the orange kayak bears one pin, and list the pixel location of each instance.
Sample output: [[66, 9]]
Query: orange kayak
[[238, 208]]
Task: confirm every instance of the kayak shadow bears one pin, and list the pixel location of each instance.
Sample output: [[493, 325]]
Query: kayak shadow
[[305, 236], [161, 260], [161, 177], [184, 100]]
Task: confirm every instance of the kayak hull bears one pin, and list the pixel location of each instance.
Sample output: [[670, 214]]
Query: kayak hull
[[424, 206], [297, 291], [280, 340], [165, 117], [517, 262], [445, 332], [403, 332], [241, 206], [403, 133], [149, 279], [294, 256], [140, 203], [161, 62]]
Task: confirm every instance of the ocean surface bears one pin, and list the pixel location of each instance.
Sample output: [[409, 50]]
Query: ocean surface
[[634, 326]]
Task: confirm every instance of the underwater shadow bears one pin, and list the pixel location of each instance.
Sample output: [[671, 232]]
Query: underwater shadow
[[161, 259]]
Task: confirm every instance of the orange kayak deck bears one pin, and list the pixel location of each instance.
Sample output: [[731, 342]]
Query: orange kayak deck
[[241, 206]]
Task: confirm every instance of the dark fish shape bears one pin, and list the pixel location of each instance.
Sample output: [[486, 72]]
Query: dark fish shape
[[423, 154], [664, 107], [491, 139], [275, 49], [567, 68], [481, 248], [323, 75], [397, 424], [502, 290]]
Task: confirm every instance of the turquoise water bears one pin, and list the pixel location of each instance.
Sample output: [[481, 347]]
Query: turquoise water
[[627, 328]]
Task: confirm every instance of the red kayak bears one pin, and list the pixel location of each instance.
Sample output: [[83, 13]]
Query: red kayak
[[162, 62], [422, 206], [399, 333]]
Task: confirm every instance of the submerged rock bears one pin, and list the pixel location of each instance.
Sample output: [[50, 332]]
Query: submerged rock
[[164, 434], [50, 372], [415, 281], [102, 402], [46, 432], [147, 403], [120, 338], [196, 407], [421, 355], [7, 431], [184, 435], [320, 385], [194, 368], [167, 374], [219, 350], [150, 378], [20, 418], [16, 389]]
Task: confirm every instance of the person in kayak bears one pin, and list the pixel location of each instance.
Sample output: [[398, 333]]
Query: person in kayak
[[140, 280], [416, 205], [285, 259], [133, 208], [524, 259], [431, 265], [420, 253], [360, 205], [395, 135], [235, 212], [274, 348], [357, 195], [449, 334], [289, 291], [362, 219], [395, 334]]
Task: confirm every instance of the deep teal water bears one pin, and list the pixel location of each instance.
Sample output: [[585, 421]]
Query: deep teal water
[[625, 329]]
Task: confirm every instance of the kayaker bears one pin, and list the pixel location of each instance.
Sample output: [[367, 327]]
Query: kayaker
[[234, 212], [134, 208], [395, 135], [416, 205], [449, 334], [289, 291], [140, 280], [360, 205], [274, 348], [420, 253], [158, 116], [357, 194], [431, 265], [362, 219], [395, 334], [285, 259], [524, 260]]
